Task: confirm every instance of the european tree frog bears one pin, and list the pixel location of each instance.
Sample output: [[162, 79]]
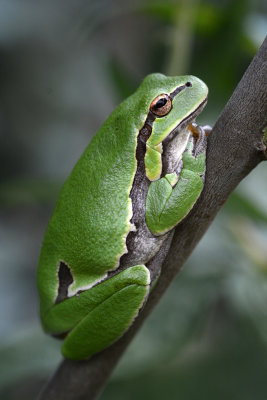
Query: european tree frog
[[138, 178]]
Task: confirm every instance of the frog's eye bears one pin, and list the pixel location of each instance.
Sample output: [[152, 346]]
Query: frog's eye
[[161, 105]]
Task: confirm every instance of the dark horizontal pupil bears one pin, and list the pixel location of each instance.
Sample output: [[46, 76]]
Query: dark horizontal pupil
[[161, 103]]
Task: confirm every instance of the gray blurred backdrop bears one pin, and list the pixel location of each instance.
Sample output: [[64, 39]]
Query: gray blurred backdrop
[[64, 66]]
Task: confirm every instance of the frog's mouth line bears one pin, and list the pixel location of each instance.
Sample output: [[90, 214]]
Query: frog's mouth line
[[185, 122]]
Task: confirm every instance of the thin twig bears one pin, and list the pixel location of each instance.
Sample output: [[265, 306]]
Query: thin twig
[[235, 147]]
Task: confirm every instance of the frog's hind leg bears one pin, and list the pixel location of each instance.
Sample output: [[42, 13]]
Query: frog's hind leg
[[103, 313]]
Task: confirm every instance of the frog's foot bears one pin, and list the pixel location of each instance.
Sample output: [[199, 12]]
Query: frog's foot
[[98, 317], [196, 129], [200, 134]]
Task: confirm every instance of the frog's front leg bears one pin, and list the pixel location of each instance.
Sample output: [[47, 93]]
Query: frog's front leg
[[97, 317], [170, 198]]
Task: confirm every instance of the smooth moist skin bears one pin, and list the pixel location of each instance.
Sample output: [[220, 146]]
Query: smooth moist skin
[[115, 216]]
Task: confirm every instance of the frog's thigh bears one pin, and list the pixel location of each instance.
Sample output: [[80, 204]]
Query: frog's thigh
[[166, 205], [112, 317]]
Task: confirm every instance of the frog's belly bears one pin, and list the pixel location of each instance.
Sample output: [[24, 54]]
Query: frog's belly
[[142, 246]]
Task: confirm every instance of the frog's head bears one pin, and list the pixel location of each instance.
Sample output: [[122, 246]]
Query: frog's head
[[174, 103]]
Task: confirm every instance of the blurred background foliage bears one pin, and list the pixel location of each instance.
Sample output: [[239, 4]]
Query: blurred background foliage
[[64, 66]]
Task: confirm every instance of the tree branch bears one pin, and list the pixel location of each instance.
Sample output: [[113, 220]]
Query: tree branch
[[235, 147]]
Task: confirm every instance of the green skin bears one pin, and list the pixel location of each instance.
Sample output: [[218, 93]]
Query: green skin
[[81, 299]]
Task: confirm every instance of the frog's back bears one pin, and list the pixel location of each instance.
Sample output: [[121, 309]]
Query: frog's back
[[91, 219]]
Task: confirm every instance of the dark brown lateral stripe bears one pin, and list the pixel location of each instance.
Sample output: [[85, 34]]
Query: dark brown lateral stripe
[[140, 179]]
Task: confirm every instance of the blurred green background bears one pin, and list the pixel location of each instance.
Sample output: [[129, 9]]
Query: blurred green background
[[64, 66]]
